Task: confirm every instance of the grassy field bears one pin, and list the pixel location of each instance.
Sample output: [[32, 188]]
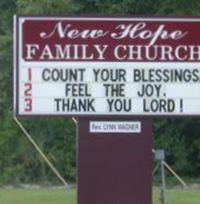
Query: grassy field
[[62, 196]]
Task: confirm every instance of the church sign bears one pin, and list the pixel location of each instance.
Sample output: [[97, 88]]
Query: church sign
[[106, 66]]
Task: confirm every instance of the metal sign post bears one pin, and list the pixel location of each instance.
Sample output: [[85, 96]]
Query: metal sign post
[[163, 188], [160, 155]]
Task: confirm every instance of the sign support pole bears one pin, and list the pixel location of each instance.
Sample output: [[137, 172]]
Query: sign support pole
[[114, 167], [163, 188]]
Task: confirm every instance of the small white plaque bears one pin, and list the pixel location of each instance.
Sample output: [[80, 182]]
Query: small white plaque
[[115, 126]]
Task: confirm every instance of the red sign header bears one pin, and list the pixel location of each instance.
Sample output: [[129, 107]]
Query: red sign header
[[111, 39]]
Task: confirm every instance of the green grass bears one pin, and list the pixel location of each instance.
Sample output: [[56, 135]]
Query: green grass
[[180, 196], [62, 196], [37, 196]]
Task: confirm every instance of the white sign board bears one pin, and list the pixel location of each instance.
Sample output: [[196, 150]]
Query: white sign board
[[81, 66]]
